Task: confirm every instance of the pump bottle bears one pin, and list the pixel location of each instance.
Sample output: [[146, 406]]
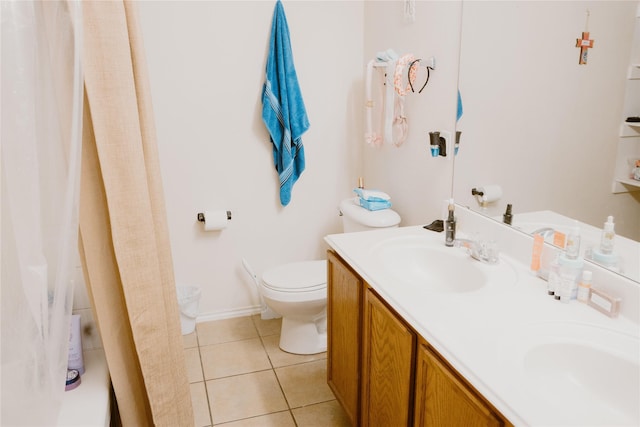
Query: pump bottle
[[608, 236], [450, 225]]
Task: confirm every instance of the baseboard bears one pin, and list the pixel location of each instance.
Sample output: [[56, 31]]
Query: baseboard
[[228, 314]]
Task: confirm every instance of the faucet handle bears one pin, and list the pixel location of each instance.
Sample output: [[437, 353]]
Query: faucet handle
[[489, 252]]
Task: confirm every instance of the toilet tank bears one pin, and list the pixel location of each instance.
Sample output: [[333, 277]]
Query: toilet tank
[[357, 218]]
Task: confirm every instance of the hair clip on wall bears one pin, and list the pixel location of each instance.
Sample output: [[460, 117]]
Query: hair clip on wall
[[430, 64]]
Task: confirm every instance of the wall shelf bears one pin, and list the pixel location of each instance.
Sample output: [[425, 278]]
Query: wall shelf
[[628, 146], [622, 185]]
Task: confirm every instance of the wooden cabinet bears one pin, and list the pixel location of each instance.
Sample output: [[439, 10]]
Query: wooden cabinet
[[385, 374], [387, 366], [443, 398], [344, 320]]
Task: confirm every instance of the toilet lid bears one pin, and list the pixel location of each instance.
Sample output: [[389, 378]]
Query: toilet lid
[[302, 276]]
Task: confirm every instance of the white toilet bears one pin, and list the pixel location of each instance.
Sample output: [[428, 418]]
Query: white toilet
[[298, 291]]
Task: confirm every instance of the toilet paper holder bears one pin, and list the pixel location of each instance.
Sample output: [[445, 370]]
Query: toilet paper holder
[[487, 194], [201, 216]]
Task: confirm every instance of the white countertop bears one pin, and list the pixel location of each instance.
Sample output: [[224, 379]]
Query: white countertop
[[485, 333]]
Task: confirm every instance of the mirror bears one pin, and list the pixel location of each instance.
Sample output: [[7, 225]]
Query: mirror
[[548, 130]]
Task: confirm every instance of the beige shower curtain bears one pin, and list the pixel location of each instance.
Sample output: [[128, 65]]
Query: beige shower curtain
[[124, 240]]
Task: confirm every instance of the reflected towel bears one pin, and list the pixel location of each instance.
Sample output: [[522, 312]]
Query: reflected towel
[[283, 110]]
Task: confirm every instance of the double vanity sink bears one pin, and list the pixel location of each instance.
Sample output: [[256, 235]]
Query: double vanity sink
[[537, 360], [427, 265]]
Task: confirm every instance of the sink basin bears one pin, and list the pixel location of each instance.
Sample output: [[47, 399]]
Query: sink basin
[[432, 266], [574, 362]]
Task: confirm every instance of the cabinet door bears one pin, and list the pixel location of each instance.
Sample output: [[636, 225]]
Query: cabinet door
[[344, 320], [442, 399], [387, 368]]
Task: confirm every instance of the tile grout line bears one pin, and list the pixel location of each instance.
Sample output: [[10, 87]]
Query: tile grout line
[[204, 380], [264, 348]]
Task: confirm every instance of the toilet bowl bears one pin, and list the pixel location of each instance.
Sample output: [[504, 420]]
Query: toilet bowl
[[298, 291]]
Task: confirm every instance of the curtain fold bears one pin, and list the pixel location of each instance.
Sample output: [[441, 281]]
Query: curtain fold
[[124, 239], [41, 107]]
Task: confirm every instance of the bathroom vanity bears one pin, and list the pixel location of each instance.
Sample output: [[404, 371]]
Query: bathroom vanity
[[420, 334], [393, 375]]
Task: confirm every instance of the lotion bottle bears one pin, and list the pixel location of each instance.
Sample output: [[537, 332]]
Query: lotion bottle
[[584, 287], [572, 247], [608, 236]]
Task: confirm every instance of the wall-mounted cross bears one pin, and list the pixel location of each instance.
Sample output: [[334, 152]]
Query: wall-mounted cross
[[584, 44]]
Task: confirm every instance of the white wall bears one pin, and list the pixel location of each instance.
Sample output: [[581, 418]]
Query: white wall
[[537, 122], [206, 64], [417, 182]]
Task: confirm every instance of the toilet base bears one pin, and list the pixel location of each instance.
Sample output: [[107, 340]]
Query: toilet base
[[303, 336]]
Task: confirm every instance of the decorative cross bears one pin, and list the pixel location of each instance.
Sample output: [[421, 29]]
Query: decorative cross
[[584, 43]]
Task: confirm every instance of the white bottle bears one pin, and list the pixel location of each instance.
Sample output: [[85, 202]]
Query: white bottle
[[573, 242], [584, 287], [570, 274], [553, 281], [608, 236], [76, 360]]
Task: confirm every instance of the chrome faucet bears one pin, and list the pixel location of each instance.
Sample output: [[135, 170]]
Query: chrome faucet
[[481, 250], [544, 232]]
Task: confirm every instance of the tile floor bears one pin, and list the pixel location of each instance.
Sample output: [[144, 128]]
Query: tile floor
[[239, 377]]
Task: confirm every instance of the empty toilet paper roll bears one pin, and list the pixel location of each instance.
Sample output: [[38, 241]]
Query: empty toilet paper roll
[[490, 193], [215, 220]]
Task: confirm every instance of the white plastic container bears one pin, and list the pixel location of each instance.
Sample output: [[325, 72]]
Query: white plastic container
[[76, 360], [584, 288], [188, 300], [570, 274]]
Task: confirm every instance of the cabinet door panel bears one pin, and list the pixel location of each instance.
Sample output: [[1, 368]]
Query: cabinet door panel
[[344, 302], [442, 399], [388, 353]]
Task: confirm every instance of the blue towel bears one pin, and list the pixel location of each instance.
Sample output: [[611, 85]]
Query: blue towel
[[374, 206], [459, 110], [283, 110]]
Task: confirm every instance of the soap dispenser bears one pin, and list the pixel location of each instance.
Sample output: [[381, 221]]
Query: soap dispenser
[[450, 225], [507, 218]]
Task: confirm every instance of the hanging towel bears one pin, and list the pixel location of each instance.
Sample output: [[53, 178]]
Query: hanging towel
[[283, 110]]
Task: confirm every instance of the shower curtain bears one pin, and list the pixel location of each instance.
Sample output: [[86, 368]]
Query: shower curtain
[[49, 127], [40, 150], [124, 237]]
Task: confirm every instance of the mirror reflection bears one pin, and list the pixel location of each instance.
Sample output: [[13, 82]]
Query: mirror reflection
[[548, 131]]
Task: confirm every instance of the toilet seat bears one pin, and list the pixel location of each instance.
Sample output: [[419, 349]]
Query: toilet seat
[[305, 276]]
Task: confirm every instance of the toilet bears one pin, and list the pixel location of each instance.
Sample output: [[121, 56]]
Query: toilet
[[298, 291]]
